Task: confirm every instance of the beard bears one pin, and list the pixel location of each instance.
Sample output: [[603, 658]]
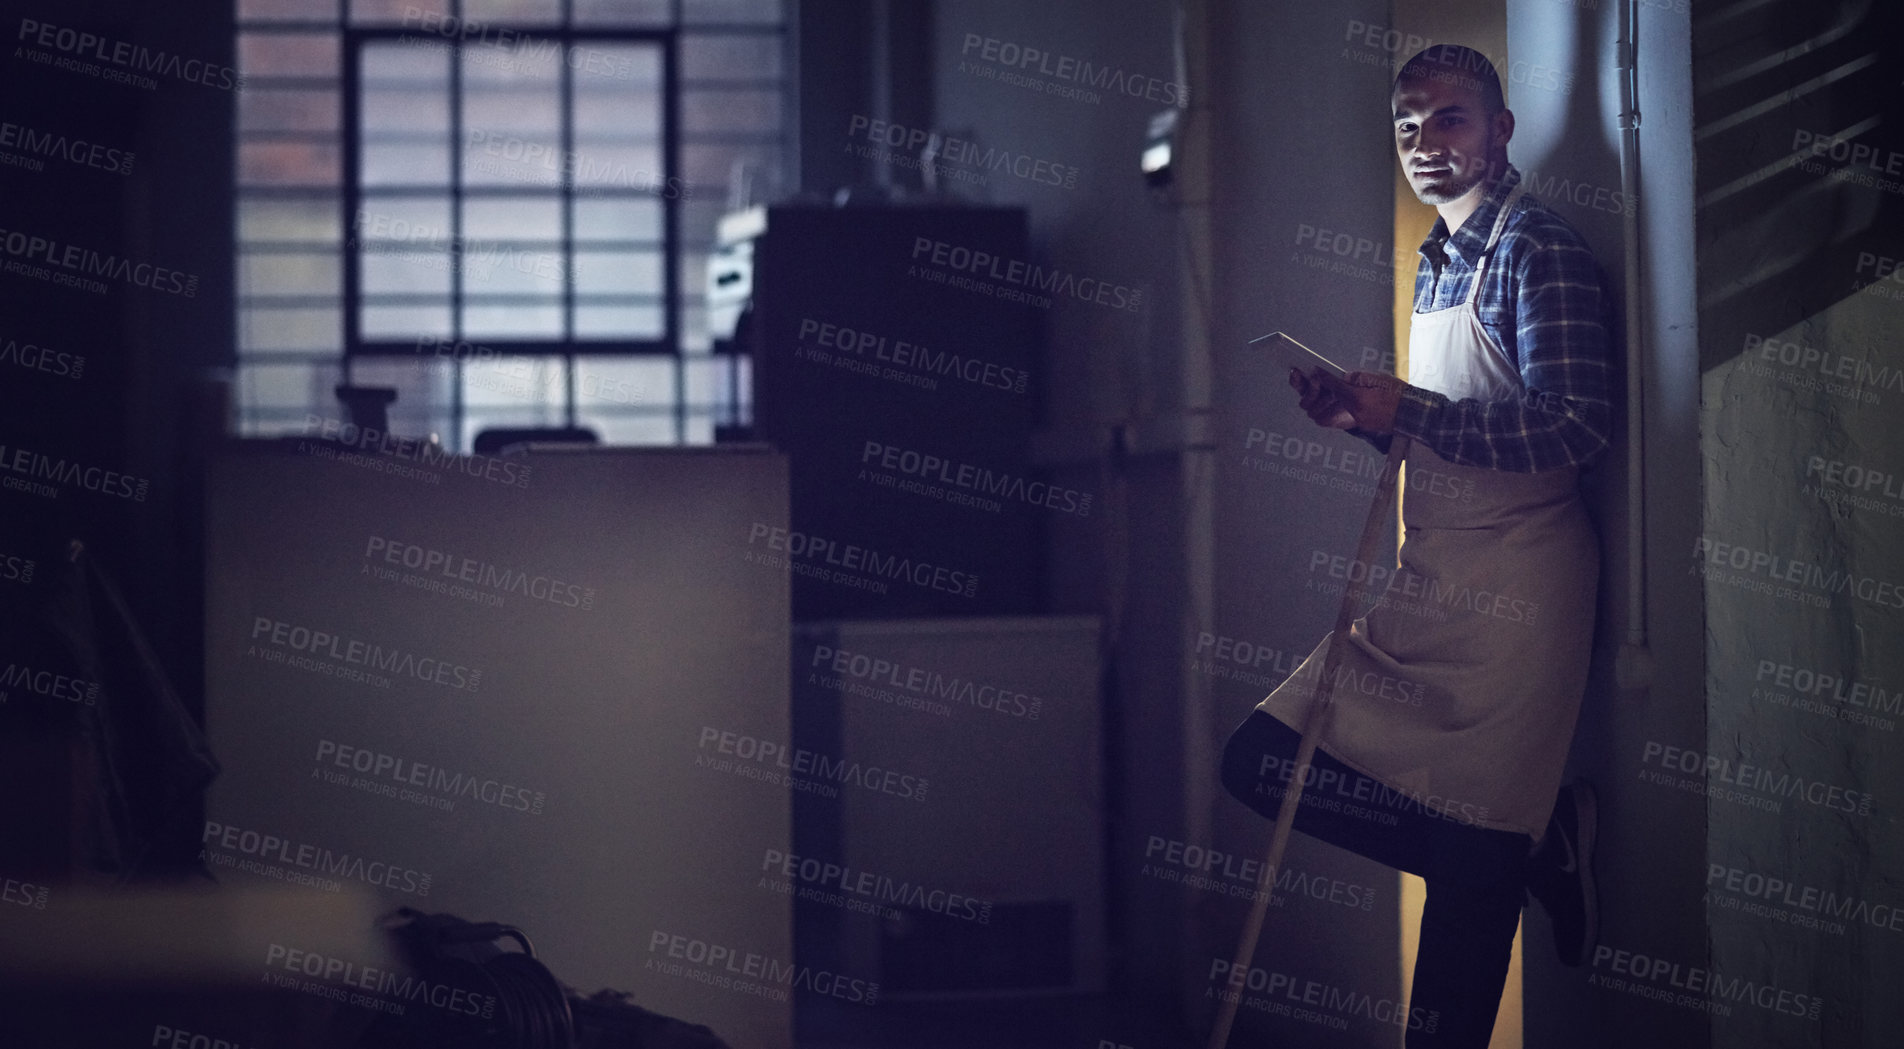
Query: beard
[[1454, 186], [1450, 189]]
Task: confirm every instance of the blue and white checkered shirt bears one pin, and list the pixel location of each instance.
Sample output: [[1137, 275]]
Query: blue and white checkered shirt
[[1542, 300]]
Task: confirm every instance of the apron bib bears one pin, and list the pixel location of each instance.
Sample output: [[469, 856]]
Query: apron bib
[[1461, 686]]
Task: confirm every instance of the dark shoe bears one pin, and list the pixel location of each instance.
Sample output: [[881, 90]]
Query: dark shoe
[[1560, 873]]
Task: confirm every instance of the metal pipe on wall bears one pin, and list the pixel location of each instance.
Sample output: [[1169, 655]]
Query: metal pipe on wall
[[1633, 667]]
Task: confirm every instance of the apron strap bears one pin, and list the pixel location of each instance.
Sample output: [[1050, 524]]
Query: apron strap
[[1494, 238]]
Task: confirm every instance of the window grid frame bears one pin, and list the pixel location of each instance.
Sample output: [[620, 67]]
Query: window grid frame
[[345, 85]]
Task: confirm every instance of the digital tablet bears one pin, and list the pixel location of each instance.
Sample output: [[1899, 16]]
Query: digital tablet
[[1298, 356]]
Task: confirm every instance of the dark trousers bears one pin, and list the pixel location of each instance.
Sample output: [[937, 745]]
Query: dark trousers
[[1475, 876]]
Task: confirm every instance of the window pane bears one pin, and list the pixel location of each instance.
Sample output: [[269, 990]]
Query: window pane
[[512, 11], [499, 382], [495, 268], [405, 271], [279, 10], [300, 387], [730, 56], [405, 114], [730, 10], [725, 111], [412, 221], [621, 12], [286, 329], [694, 337], [288, 273], [264, 219], [609, 321], [610, 383], [625, 382], [707, 165], [269, 109], [404, 246], [644, 429], [294, 163], [405, 323], [617, 272], [609, 109], [492, 158], [287, 54], [419, 13], [513, 320], [618, 219], [512, 218], [707, 382], [398, 66]]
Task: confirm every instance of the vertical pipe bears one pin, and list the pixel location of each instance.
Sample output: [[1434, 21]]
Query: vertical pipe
[[1633, 668]]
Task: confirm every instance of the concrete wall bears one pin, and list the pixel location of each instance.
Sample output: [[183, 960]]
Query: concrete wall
[[1800, 318], [1562, 85]]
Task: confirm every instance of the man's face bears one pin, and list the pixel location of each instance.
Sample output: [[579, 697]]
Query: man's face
[[1444, 135]]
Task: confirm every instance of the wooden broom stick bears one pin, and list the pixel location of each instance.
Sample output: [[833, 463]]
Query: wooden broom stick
[[1306, 750]]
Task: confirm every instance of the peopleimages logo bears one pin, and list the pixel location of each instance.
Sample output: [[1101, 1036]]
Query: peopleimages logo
[[865, 890], [16, 569], [1198, 867], [1064, 70], [506, 155], [166, 1037], [350, 658], [976, 262], [1235, 659], [1834, 695], [26, 469], [1849, 485], [1670, 982], [371, 979], [442, 785], [23, 894], [513, 48], [1328, 789], [1405, 598], [1837, 374], [955, 157], [799, 768], [1711, 558], [47, 684], [79, 46], [1792, 903], [749, 972], [1717, 776], [270, 850], [1312, 1001], [40, 359], [86, 263], [970, 479], [381, 448], [35, 144], [807, 554], [927, 688], [907, 362], [439, 571], [1342, 469]]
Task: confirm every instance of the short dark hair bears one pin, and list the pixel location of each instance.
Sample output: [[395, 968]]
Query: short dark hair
[[1454, 64]]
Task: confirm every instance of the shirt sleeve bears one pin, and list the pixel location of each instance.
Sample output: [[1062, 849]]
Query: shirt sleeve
[[1563, 418]]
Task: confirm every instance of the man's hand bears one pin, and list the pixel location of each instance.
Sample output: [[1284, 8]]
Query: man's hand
[[1364, 401]]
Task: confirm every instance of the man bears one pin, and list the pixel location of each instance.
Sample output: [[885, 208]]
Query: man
[[1449, 765]]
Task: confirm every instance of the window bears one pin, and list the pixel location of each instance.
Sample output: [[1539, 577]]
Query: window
[[501, 208]]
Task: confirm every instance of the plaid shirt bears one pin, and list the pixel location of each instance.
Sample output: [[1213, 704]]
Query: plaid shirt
[[1542, 301]]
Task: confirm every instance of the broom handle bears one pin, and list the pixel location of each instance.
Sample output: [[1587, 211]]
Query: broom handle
[[1306, 750]]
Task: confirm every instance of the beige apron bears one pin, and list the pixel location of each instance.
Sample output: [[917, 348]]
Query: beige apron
[[1461, 686]]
